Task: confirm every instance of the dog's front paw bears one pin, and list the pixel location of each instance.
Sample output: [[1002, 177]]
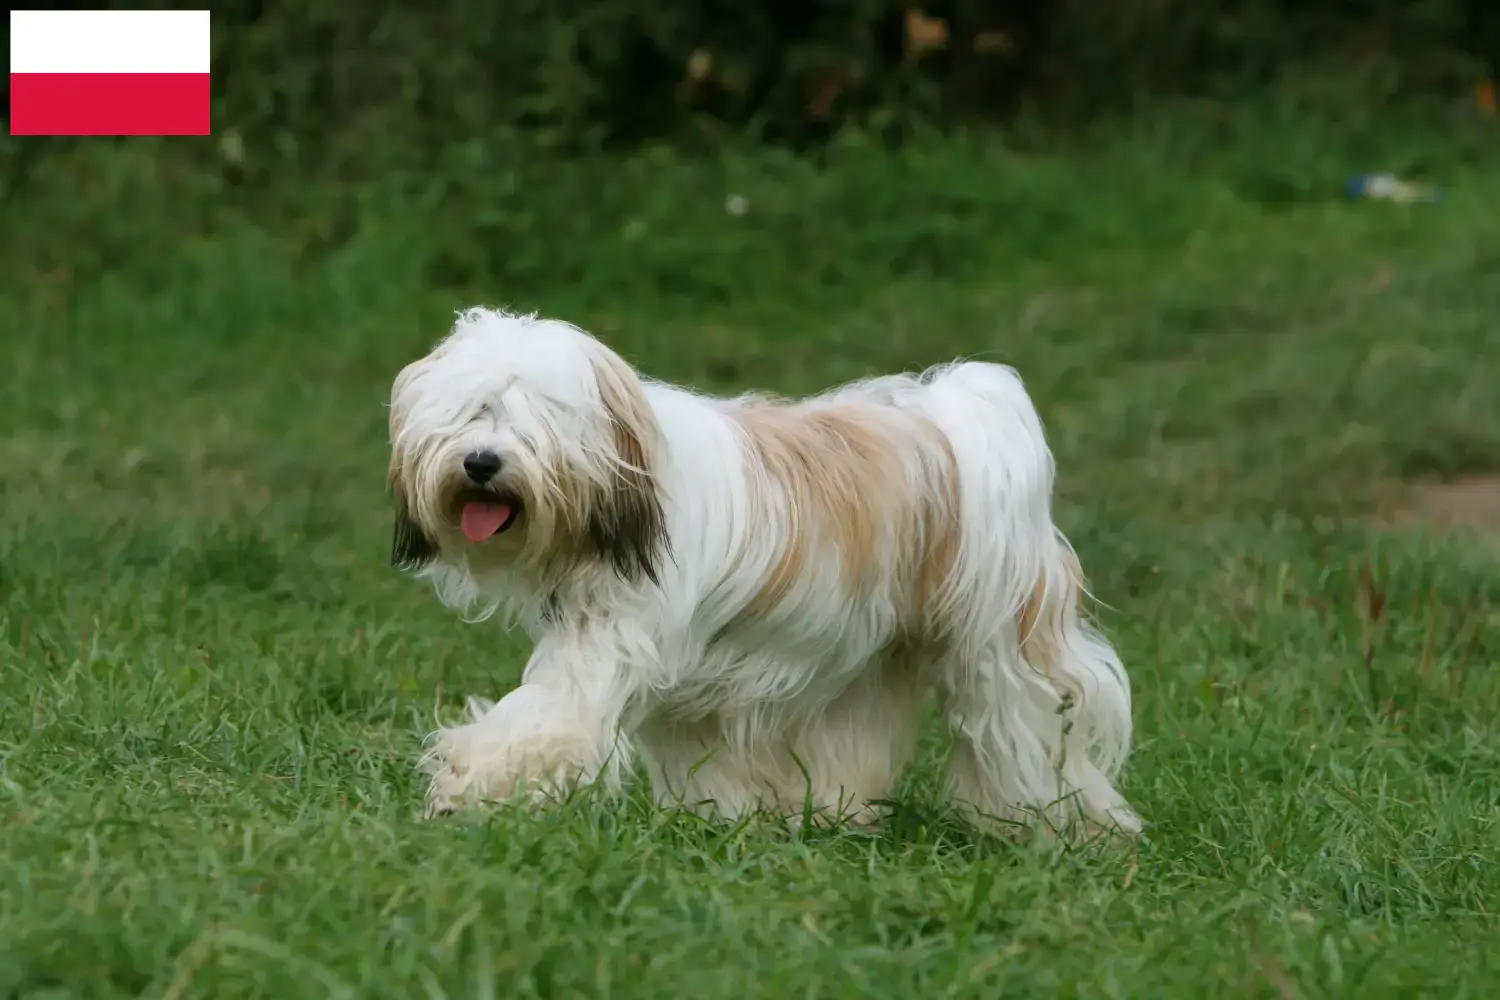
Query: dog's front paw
[[455, 784], [496, 758], [451, 779], [450, 762]]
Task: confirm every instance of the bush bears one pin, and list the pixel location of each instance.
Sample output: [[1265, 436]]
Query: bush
[[340, 84], [622, 70]]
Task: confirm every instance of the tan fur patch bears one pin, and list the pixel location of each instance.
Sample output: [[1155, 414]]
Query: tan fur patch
[[1042, 614], [938, 550], [847, 469]]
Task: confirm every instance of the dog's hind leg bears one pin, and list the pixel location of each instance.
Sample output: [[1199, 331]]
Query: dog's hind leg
[[1037, 700], [1040, 713]]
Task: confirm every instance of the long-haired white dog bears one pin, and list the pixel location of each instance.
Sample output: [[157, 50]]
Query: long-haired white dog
[[753, 595]]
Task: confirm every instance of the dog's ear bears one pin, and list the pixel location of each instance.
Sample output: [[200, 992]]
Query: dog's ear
[[411, 547], [626, 524]]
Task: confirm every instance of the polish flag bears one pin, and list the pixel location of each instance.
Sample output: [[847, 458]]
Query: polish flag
[[109, 72]]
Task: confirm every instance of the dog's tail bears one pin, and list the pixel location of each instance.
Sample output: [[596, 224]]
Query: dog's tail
[[1029, 662]]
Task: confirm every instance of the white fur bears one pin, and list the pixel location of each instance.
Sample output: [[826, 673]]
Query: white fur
[[733, 705]]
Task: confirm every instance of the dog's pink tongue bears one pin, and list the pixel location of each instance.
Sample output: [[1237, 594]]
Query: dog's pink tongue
[[481, 520]]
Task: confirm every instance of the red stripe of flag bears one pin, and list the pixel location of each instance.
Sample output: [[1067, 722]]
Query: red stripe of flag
[[109, 104]]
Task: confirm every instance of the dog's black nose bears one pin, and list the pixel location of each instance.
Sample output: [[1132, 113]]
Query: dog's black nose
[[481, 466]]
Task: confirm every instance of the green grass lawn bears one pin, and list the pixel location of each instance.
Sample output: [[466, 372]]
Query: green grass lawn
[[213, 688]]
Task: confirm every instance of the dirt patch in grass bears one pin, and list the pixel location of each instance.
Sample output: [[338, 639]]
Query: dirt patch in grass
[[1462, 506]]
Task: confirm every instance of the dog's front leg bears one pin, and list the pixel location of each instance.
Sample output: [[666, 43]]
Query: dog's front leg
[[559, 729]]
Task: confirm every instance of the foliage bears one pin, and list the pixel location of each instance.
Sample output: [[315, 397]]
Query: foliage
[[335, 83], [629, 69]]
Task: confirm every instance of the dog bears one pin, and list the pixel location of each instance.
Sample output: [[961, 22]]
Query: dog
[[752, 596]]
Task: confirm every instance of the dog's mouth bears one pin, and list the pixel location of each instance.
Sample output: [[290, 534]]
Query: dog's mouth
[[482, 516]]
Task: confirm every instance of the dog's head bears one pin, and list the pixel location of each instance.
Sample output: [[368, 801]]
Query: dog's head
[[522, 444]]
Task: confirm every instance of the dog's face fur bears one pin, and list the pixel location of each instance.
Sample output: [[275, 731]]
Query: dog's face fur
[[522, 446]]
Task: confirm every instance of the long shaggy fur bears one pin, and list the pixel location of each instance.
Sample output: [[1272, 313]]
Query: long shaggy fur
[[752, 596]]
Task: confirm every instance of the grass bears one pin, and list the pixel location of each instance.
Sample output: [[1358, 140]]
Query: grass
[[213, 687]]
